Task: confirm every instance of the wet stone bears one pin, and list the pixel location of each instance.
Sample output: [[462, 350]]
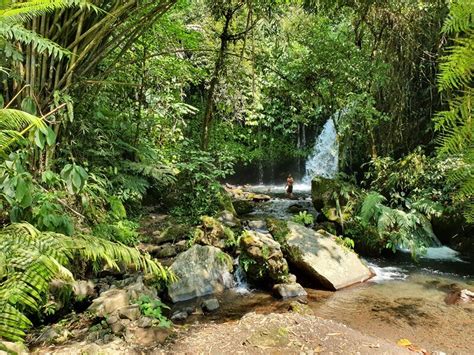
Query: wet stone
[[179, 316], [289, 290], [210, 305]]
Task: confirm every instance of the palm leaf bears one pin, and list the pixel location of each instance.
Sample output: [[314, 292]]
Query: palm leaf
[[14, 124]]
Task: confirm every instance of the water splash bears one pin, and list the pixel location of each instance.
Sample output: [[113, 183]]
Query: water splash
[[324, 159], [387, 273], [442, 253]]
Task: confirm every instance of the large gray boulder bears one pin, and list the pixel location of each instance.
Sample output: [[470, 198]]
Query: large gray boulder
[[323, 259], [201, 270]]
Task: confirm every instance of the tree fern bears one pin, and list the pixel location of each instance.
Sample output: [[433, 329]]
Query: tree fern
[[29, 260], [456, 78]]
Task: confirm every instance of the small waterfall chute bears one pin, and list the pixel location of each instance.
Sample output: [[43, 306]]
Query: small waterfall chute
[[240, 279]]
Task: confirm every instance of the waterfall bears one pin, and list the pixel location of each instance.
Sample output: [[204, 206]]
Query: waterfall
[[240, 281], [324, 159], [260, 172]]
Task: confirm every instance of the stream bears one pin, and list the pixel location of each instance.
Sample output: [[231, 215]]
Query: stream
[[404, 300]]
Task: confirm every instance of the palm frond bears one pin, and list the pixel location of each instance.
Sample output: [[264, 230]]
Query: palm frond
[[14, 124]]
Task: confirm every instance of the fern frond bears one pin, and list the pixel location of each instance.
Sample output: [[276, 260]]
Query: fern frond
[[428, 207], [460, 17], [371, 207], [113, 254], [30, 260], [14, 31], [455, 125], [457, 66], [25, 10]]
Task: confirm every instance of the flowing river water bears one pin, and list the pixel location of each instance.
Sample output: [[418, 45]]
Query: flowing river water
[[405, 299]]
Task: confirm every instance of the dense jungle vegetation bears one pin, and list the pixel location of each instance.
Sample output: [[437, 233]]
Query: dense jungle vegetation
[[109, 107]]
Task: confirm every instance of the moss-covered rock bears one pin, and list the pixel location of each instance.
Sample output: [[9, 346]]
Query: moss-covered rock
[[327, 226], [173, 233], [212, 232], [278, 229], [225, 202], [228, 219], [321, 192], [243, 207], [262, 258], [296, 208]]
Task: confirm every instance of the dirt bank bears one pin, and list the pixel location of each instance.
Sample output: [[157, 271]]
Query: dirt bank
[[288, 333]]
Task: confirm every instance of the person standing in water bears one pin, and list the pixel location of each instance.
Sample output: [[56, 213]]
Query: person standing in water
[[289, 186]]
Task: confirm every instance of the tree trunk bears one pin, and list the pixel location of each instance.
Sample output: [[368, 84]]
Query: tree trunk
[[207, 121]]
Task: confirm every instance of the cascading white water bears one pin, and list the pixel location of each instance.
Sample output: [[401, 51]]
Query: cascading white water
[[324, 159], [240, 281]]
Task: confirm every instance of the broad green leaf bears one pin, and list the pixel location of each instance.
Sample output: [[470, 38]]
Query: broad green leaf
[[50, 136], [28, 105], [21, 189], [39, 139], [76, 180]]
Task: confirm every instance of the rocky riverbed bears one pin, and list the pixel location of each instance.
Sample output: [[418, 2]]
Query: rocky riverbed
[[128, 313]]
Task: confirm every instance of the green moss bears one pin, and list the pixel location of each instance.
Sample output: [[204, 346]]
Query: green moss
[[225, 202], [230, 239], [176, 232], [278, 229], [243, 207], [225, 259]]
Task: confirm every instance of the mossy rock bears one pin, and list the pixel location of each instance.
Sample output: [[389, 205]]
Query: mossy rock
[[327, 226], [262, 258], [173, 233], [296, 208], [278, 229], [212, 232], [243, 207], [225, 202], [321, 191]]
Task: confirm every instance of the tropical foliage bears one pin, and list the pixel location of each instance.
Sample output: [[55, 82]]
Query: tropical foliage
[[30, 259], [456, 81], [110, 109]]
